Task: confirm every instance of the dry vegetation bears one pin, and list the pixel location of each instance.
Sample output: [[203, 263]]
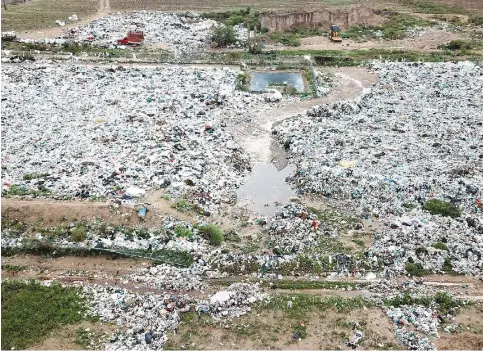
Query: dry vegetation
[[37, 14]]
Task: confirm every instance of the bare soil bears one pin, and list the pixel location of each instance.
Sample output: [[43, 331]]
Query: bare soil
[[429, 40], [470, 5], [274, 330], [470, 338], [64, 338], [51, 212]]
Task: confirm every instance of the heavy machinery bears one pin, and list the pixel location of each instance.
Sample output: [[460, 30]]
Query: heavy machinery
[[133, 38], [334, 34]]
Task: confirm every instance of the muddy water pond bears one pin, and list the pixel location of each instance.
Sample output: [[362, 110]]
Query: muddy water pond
[[262, 80], [265, 187]]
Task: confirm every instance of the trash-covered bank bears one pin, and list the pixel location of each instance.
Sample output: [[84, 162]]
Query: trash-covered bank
[[412, 144], [80, 132]]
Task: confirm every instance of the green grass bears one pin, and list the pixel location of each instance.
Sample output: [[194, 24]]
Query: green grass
[[182, 206], [300, 285], [30, 311], [476, 20], [13, 268], [297, 306], [416, 269], [79, 233], [183, 232], [440, 246], [443, 208], [288, 39], [30, 176], [231, 18], [462, 45], [18, 190], [444, 302], [39, 14], [360, 57], [212, 233]]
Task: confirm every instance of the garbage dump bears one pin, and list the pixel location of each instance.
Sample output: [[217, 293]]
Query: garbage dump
[[139, 313], [185, 33], [414, 137], [9, 36], [294, 227], [421, 319], [80, 132]]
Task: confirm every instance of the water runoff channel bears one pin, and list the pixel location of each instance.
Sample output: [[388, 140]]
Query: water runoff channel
[[266, 188]]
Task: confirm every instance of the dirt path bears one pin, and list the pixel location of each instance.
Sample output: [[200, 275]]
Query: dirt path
[[88, 270], [255, 137], [101, 270]]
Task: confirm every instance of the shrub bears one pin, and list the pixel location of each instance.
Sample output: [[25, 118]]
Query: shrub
[[443, 208], [212, 233], [30, 311], [30, 176], [79, 234], [415, 269], [183, 232], [234, 20], [440, 246], [290, 40], [477, 20], [454, 45], [223, 35], [264, 30], [182, 206], [421, 251]]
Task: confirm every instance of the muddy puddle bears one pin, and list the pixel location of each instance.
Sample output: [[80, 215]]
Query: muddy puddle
[[266, 189]]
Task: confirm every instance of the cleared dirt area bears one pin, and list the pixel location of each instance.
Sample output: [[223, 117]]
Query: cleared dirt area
[[69, 337], [470, 335], [274, 329], [53, 212], [428, 41]]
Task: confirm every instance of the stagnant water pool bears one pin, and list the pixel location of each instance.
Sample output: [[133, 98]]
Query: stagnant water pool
[[261, 80], [265, 188]]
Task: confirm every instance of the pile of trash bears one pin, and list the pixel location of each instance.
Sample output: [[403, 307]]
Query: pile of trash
[[410, 138], [438, 244], [184, 33], [147, 317], [233, 302], [420, 318], [82, 132], [9, 36], [167, 277], [294, 227]]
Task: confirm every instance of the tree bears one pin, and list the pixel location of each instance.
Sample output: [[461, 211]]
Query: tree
[[223, 35]]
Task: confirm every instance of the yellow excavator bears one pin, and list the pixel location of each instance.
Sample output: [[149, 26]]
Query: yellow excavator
[[334, 34]]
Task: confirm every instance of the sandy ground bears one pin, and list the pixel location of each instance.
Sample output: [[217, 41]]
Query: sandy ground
[[429, 40]]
